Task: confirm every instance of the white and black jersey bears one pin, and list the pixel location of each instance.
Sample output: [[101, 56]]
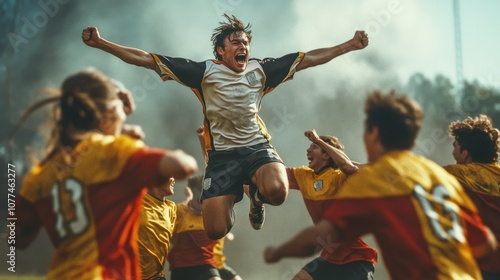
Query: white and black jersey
[[231, 101]]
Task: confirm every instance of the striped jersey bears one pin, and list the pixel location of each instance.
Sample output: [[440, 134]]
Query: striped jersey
[[318, 192], [481, 182], [155, 232], [231, 101], [91, 207], [422, 219], [190, 243]]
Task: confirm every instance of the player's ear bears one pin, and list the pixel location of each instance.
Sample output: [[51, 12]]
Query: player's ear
[[465, 154], [220, 50]]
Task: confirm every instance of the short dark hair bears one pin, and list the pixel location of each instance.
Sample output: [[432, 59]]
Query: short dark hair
[[225, 29], [477, 136], [334, 142], [397, 117]]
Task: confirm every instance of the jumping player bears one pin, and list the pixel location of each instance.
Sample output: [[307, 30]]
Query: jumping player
[[231, 89], [423, 221], [87, 191], [475, 150], [319, 183]]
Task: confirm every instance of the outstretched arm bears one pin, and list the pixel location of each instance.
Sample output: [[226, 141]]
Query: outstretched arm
[[324, 55], [322, 236], [92, 38], [177, 164], [341, 159]]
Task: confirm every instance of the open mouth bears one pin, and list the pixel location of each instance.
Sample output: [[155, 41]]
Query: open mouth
[[310, 159], [241, 58]]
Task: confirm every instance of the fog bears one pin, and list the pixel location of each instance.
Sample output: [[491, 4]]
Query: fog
[[43, 46]]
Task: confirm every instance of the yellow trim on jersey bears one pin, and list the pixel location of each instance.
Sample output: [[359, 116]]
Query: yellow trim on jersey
[[187, 220], [314, 186]]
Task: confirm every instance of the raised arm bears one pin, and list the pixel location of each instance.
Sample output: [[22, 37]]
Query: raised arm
[[341, 159], [92, 38], [324, 55], [177, 164]]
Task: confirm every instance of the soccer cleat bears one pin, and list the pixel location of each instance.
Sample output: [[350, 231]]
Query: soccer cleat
[[257, 211]]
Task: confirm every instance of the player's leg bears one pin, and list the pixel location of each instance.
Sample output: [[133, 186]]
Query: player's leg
[[218, 215], [319, 269], [198, 272], [227, 273], [272, 183], [268, 181], [302, 275], [269, 185]]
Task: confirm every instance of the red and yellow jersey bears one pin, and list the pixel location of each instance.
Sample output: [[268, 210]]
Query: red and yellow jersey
[[190, 244], [481, 182], [318, 192], [422, 219], [155, 232], [220, 258], [90, 207]]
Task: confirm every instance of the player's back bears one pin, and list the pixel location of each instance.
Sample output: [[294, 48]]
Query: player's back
[[416, 211], [190, 243], [481, 182], [90, 206]]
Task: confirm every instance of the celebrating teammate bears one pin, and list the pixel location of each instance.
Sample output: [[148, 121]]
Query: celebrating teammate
[[475, 150], [231, 89], [87, 190], [155, 230], [425, 224], [319, 183]]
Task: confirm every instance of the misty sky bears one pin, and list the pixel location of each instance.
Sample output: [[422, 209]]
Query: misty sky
[[406, 37]]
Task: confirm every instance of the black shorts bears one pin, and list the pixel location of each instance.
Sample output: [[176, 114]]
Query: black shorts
[[319, 269], [198, 272], [227, 273], [228, 170]]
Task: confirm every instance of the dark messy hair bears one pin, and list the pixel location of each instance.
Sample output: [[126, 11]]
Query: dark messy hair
[[225, 29], [397, 117], [477, 136]]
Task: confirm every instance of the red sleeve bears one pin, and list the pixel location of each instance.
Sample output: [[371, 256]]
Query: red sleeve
[[475, 231], [27, 224], [142, 167]]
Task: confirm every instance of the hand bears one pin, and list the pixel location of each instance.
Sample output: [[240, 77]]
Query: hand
[[133, 130], [360, 40], [271, 255], [200, 132], [90, 36], [127, 99], [312, 135], [188, 193]]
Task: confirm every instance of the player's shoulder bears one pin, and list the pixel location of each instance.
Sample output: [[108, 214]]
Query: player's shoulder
[[108, 145]]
